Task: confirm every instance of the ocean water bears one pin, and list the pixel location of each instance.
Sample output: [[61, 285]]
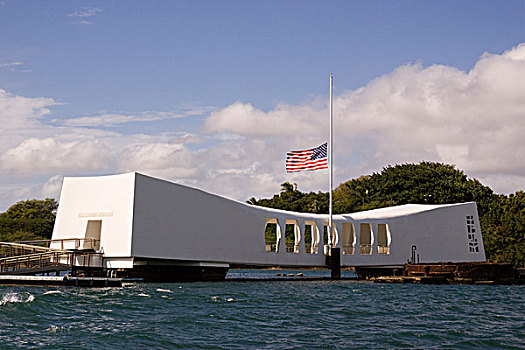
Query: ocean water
[[264, 315]]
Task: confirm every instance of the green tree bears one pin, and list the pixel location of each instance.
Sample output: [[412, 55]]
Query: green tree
[[423, 183], [503, 230], [28, 220], [290, 198], [252, 201], [32, 209]]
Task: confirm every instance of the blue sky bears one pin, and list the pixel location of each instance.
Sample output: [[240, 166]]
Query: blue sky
[[124, 78]]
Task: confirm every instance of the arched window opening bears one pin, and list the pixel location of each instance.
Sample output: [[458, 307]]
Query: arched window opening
[[383, 239], [272, 235], [365, 238], [348, 238], [308, 238], [292, 236]]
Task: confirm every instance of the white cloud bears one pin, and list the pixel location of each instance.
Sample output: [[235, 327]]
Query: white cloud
[[84, 22], [82, 15], [85, 12], [17, 110], [10, 64], [112, 119], [21, 118], [52, 187], [159, 158], [50, 156], [244, 119], [13, 193], [474, 120]]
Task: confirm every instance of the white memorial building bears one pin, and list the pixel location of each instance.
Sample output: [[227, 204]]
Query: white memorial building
[[144, 225]]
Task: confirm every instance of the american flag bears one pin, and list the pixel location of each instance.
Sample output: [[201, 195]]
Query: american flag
[[308, 159]]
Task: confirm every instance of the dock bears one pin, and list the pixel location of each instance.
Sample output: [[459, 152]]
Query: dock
[[453, 273], [60, 281], [21, 262]]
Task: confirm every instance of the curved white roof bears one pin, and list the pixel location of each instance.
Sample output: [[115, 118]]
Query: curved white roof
[[397, 211]]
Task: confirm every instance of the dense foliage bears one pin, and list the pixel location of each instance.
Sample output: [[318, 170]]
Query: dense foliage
[[503, 228], [292, 199], [502, 218], [28, 220]]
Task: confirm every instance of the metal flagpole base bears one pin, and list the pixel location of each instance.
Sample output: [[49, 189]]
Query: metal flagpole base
[[333, 261]]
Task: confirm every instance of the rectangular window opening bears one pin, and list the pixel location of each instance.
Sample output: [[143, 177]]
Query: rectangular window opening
[[365, 238], [291, 236], [349, 238], [311, 237], [270, 236], [383, 239]]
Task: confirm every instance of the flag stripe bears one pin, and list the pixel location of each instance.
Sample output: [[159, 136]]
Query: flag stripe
[[314, 163], [305, 166], [308, 159], [309, 169], [292, 162], [319, 166]]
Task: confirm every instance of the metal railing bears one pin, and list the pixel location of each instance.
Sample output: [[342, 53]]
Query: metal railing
[[366, 249], [271, 248], [292, 248], [66, 243], [8, 249], [348, 249], [50, 258], [383, 249], [311, 249], [76, 243]]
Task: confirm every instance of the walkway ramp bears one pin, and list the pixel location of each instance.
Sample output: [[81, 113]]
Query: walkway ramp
[[28, 259]]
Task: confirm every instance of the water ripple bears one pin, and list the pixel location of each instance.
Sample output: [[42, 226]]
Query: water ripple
[[264, 315]]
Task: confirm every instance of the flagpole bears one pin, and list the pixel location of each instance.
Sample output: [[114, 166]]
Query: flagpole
[[330, 171]]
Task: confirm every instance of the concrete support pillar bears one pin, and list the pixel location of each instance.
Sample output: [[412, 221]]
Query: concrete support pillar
[[333, 261]]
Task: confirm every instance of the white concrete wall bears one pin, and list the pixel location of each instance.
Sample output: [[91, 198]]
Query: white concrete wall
[[439, 234], [106, 198], [174, 221]]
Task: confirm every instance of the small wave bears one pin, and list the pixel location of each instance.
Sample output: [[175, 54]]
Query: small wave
[[160, 290], [54, 329], [17, 298], [218, 299], [144, 295], [53, 292]]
